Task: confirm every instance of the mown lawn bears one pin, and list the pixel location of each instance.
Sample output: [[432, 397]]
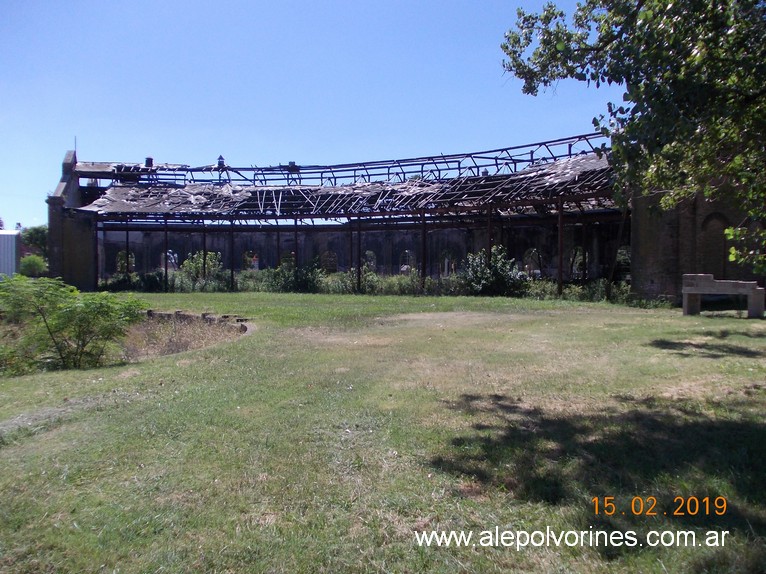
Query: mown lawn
[[342, 425]]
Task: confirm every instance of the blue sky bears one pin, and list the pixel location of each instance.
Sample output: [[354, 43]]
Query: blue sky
[[260, 83]]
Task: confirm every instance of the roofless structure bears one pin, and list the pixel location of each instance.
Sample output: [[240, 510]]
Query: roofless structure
[[547, 202]]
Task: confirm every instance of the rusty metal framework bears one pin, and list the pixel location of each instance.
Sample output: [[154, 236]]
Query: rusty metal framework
[[570, 175]]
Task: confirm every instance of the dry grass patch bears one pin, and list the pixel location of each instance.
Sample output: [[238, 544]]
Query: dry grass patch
[[158, 337]]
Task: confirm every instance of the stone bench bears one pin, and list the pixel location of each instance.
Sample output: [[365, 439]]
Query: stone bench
[[694, 286]]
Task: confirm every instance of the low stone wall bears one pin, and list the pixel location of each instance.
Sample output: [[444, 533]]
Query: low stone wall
[[235, 321]]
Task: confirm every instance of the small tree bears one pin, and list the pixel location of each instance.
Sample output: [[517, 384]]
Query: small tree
[[37, 238], [52, 325]]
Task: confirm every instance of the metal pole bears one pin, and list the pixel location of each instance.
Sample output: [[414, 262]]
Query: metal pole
[[424, 250], [561, 248], [489, 236], [97, 274], [231, 256], [358, 254], [295, 239], [204, 251], [584, 253], [350, 245], [127, 247], [166, 254]]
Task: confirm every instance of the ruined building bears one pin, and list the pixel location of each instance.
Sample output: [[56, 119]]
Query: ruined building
[[551, 204]]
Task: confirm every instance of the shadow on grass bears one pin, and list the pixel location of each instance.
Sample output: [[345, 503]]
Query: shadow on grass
[[705, 349], [657, 448]]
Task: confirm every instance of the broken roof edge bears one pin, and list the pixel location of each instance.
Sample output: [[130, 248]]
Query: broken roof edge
[[578, 176], [526, 154]]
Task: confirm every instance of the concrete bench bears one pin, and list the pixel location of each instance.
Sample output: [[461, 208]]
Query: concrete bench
[[694, 286]]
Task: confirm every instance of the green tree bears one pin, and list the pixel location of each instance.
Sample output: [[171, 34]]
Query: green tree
[[37, 238], [693, 115], [49, 324]]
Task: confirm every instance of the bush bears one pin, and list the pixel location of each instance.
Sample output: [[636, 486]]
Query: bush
[[201, 272], [542, 290], [403, 284], [121, 282], [337, 283], [33, 266], [51, 325], [290, 278], [500, 277], [253, 280], [453, 285]]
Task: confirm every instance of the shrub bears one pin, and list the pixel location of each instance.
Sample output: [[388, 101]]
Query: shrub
[[403, 284], [153, 282], [542, 290], [291, 278], [452, 285], [253, 280], [337, 283], [121, 282], [202, 272], [500, 277], [33, 266], [52, 325]]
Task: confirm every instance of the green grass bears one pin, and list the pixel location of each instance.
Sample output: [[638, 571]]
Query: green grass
[[342, 424]]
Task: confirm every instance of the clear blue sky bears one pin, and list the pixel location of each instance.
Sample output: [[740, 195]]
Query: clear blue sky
[[261, 83]]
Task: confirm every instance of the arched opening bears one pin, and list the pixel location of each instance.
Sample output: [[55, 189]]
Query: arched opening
[[712, 246]]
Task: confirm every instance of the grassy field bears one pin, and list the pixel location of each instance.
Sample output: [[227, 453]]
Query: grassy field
[[341, 426]]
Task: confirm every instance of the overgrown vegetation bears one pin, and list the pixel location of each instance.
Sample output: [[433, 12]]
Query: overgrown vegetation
[[500, 276], [50, 325]]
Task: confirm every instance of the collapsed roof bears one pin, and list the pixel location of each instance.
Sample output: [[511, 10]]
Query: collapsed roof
[[510, 181]]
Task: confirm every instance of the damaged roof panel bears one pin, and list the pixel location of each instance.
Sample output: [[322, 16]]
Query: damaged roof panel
[[583, 176]]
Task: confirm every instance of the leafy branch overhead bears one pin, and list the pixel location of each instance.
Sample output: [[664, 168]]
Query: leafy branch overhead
[[693, 115]]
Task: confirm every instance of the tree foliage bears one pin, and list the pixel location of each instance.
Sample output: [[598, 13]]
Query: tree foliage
[[498, 276], [200, 266], [693, 115], [50, 325], [33, 266], [37, 238]]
